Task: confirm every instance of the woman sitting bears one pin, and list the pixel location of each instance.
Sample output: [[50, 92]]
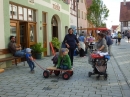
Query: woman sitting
[[64, 61]]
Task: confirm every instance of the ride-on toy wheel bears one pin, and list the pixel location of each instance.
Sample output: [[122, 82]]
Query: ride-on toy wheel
[[56, 72], [46, 74], [65, 76], [89, 74]]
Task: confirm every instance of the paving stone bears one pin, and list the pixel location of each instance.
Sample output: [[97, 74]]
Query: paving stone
[[32, 96], [79, 85]]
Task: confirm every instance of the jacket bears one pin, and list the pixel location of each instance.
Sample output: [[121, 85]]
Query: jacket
[[66, 61], [71, 40]]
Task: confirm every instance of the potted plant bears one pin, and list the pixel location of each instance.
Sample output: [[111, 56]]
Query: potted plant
[[37, 50], [56, 44]]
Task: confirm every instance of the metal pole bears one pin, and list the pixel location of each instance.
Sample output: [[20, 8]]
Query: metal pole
[[77, 17]]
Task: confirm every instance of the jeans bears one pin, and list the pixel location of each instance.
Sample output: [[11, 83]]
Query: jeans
[[71, 54], [31, 64], [20, 53], [64, 67]]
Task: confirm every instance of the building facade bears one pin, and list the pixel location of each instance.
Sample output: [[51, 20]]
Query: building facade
[[82, 15], [33, 21], [73, 15], [125, 16]]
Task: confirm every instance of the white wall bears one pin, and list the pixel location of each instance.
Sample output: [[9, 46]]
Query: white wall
[[73, 20], [2, 39]]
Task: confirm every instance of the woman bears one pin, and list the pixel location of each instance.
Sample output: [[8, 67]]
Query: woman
[[70, 41], [119, 37], [82, 41], [64, 59], [101, 44]]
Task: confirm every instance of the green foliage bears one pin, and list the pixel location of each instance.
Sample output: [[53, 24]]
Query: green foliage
[[97, 13], [37, 48], [55, 42]]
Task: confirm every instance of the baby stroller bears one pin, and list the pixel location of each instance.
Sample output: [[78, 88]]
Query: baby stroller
[[99, 65]]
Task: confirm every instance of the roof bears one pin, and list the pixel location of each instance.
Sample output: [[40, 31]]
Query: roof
[[114, 27], [89, 3], [125, 11]]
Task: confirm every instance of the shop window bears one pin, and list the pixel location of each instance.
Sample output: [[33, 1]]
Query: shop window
[[13, 30], [20, 12], [25, 13]]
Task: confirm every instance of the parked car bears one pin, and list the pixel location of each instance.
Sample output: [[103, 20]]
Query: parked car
[[114, 35]]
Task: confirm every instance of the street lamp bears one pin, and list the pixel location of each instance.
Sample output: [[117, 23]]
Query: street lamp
[[77, 16]]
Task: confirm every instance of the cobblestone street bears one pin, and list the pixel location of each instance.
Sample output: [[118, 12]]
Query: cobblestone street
[[18, 82]]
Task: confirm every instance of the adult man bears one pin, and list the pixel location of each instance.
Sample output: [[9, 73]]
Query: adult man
[[109, 43], [15, 49]]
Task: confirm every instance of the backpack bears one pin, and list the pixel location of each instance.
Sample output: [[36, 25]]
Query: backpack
[[55, 59], [119, 35]]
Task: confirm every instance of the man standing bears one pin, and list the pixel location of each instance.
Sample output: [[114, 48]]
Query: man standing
[[15, 49], [109, 43]]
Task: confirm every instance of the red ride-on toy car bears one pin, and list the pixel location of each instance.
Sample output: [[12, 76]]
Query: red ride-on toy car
[[66, 74]]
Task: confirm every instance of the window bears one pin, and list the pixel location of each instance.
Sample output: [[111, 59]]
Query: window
[[13, 11], [125, 24], [85, 16], [25, 14], [78, 13], [82, 15], [73, 4], [22, 13]]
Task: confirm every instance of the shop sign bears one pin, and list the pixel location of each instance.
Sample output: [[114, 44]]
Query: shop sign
[[31, 2], [56, 6]]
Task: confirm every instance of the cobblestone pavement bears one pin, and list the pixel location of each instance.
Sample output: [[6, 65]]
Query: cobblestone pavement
[[18, 82]]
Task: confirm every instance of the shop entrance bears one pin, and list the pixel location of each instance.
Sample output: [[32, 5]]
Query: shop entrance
[[24, 32], [54, 27]]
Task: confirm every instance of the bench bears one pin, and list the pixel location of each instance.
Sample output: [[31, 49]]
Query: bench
[[2, 70], [6, 51]]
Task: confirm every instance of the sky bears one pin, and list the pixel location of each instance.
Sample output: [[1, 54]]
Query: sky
[[114, 12]]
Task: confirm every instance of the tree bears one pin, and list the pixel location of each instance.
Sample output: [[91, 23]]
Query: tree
[[97, 13]]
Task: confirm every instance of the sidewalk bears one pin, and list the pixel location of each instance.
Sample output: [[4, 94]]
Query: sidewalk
[[121, 55], [18, 82]]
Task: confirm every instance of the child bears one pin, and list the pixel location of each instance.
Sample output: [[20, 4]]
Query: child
[[64, 61], [55, 59], [30, 60]]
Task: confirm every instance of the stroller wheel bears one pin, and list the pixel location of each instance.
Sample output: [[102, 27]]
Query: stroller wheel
[[105, 77], [89, 74]]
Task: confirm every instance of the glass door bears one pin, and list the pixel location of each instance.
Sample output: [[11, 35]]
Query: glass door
[[32, 37]]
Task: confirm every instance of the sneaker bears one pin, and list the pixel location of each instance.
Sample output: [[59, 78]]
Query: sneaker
[[32, 71]]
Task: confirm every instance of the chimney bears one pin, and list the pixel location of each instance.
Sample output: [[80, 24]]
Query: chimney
[[124, 2]]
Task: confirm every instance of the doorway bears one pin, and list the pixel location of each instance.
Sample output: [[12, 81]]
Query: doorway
[[23, 34], [54, 27]]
